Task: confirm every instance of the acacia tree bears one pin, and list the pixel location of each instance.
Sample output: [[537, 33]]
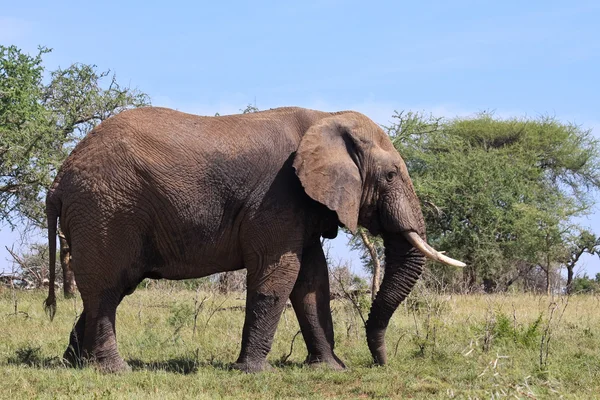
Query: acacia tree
[[26, 142], [583, 242], [498, 193], [41, 122]]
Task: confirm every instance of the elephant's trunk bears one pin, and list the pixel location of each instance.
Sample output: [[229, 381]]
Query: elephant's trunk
[[403, 266]]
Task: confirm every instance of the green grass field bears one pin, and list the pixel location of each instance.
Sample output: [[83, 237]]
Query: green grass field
[[180, 344]]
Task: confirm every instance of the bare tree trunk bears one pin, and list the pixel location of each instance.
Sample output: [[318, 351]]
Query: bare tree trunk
[[376, 264], [69, 285], [569, 277], [548, 273], [570, 265]]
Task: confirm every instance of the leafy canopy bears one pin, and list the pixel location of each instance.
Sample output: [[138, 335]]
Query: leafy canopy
[[40, 123], [499, 193]]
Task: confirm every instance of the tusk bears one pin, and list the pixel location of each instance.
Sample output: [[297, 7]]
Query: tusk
[[429, 251]]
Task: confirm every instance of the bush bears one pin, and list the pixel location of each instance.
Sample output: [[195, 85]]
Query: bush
[[584, 284]]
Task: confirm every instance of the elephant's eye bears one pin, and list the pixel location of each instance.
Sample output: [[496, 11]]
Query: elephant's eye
[[391, 175]]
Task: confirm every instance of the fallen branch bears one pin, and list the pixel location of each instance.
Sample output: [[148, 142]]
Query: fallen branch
[[284, 358]]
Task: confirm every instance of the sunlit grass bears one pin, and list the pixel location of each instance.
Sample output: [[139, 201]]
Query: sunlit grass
[[439, 346]]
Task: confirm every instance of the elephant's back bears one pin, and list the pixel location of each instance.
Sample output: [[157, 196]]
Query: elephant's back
[[155, 156], [156, 133], [134, 142], [164, 145]]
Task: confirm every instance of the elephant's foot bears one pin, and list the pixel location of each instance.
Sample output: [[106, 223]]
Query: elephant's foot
[[251, 367], [76, 359], [109, 363], [331, 361], [112, 366]]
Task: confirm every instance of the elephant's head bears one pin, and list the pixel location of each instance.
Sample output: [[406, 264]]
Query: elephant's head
[[349, 164]]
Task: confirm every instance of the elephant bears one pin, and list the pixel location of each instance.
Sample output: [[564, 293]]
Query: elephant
[[157, 193]]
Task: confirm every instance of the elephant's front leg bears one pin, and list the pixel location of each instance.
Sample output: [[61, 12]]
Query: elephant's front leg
[[310, 298], [270, 281]]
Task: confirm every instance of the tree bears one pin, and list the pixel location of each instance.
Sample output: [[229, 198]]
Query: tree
[[498, 193], [39, 125], [585, 242], [26, 141], [250, 109]]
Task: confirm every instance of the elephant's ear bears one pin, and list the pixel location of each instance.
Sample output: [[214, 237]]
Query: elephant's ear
[[327, 164]]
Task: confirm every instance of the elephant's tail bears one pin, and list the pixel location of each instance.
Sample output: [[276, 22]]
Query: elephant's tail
[[52, 216]]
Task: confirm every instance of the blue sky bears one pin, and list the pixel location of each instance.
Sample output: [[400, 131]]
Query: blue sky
[[446, 57]]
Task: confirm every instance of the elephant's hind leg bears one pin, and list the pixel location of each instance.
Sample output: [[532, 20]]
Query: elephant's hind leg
[[103, 278], [99, 339], [73, 353], [310, 299]]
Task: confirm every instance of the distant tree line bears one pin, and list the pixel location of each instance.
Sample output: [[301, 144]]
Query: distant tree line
[[500, 194]]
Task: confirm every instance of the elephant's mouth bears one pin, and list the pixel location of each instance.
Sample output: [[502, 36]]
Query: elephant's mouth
[[429, 251]]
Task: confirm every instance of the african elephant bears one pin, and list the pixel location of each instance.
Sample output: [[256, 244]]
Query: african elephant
[[157, 193]]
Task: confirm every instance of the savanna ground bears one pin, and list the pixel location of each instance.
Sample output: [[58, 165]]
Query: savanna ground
[[181, 342]]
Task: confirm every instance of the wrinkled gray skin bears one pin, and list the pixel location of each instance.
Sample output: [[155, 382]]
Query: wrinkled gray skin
[[156, 193]]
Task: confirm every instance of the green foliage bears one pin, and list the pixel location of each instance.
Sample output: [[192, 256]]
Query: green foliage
[[498, 193], [26, 141], [181, 315], [507, 329], [363, 297], [584, 284], [40, 122], [428, 310], [27, 355]]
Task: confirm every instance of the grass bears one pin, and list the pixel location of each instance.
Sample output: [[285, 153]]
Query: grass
[[439, 346]]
